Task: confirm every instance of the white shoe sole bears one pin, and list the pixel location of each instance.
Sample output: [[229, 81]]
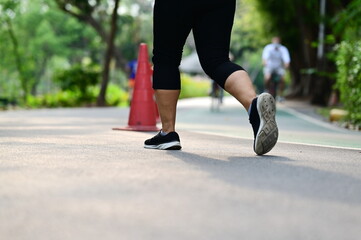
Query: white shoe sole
[[165, 146], [267, 134]]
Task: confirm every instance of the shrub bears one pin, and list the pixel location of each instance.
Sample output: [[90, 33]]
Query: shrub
[[348, 61], [78, 79], [60, 99], [115, 97], [194, 88]]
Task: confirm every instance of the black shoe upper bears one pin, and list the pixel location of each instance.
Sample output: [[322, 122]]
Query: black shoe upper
[[254, 117], [159, 139]]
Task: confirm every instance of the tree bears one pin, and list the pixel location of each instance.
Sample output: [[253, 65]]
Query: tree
[[28, 52], [44, 39], [108, 56], [94, 13], [8, 12]]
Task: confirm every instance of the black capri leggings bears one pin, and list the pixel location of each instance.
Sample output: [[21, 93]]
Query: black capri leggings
[[211, 22]]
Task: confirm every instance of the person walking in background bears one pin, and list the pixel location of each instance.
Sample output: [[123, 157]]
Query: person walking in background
[[211, 22], [275, 59]]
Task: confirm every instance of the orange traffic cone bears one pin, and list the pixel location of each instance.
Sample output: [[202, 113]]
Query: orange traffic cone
[[142, 116]]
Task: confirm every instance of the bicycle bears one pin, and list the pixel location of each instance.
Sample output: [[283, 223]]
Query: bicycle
[[273, 84]]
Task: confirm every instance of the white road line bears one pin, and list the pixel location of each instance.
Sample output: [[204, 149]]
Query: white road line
[[319, 145], [285, 142]]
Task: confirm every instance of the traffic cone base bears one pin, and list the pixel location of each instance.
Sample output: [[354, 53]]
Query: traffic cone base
[[139, 128]]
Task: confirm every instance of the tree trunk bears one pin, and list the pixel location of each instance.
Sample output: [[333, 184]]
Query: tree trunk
[[304, 59], [19, 65], [108, 57], [40, 72], [322, 85]]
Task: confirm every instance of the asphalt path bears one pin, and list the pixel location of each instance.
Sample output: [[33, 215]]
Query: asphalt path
[[64, 174], [298, 123]]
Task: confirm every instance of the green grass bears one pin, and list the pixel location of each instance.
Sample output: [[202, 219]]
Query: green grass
[[194, 88], [324, 112]]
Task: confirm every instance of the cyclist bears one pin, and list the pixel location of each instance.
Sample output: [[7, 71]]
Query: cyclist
[[276, 59]]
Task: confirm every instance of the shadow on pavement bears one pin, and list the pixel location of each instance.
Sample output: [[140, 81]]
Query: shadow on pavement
[[278, 174]]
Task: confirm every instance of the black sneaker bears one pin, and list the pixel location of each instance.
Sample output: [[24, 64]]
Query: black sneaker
[[168, 142], [262, 117]]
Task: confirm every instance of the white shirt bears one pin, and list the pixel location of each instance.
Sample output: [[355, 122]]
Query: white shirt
[[276, 55]]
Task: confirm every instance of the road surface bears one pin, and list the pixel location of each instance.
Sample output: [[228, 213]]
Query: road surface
[[65, 174]]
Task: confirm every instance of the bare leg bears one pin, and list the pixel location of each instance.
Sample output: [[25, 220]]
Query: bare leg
[[240, 86], [167, 106]]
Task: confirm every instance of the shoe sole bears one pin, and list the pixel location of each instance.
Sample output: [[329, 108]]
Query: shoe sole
[[267, 134], [165, 146]]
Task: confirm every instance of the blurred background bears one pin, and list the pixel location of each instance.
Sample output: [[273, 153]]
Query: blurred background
[[70, 53]]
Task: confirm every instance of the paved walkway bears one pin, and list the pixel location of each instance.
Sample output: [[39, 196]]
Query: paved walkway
[[65, 174], [297, 121]]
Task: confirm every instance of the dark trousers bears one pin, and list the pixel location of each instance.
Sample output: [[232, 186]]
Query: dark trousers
[[211, 22]]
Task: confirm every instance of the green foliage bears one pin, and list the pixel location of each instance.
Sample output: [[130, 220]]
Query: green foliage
[[39, 34], [286, 18], [68, 98], [60, 99], [249, 30], [116, 96], [347, 22], [348, 59], [348, 62], [78, 79], [78, 6], [46, 39], [194, 88], [134, 30], [324, 112]]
